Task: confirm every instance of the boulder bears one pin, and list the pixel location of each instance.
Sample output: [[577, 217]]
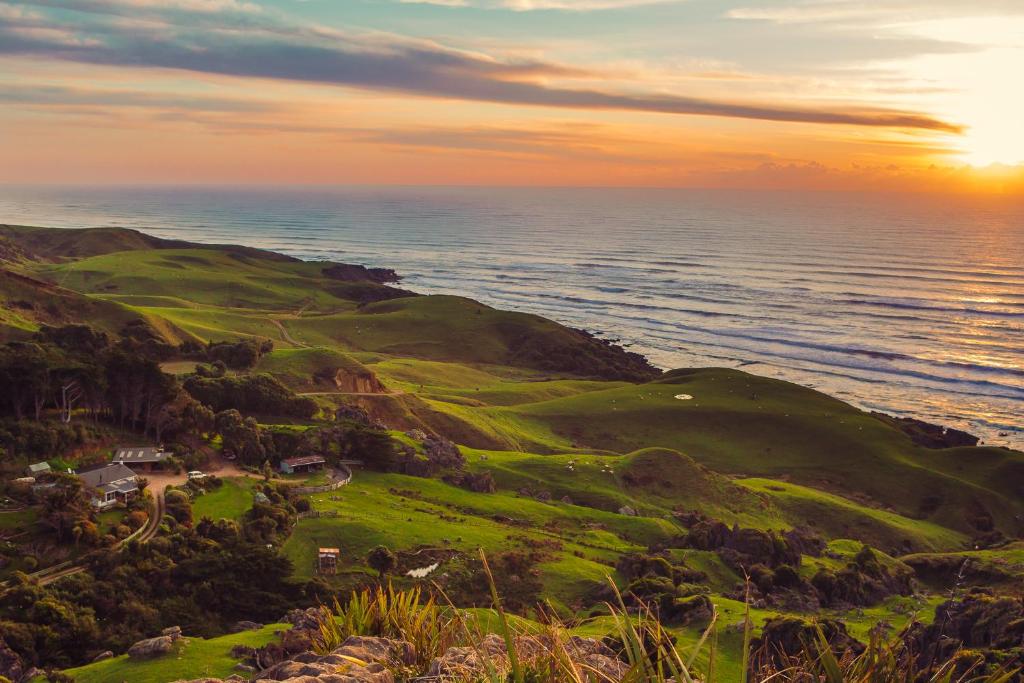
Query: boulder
[[172, 632], [305, 618], [379, 650], [11, 666], [595, 662], [151, 647], [106, 654], [627, 510], [240, 626], [468, 662], [785, 637]]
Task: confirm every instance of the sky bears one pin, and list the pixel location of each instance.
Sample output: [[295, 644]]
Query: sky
[[900, 95]]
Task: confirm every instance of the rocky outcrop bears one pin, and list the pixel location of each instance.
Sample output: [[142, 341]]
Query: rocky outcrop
[[741, 548], [929, 435], [786, 637], [988, 630], [477, 482], [240, 626], [151, 647], [11, 666], [347, 272], [350, 381]]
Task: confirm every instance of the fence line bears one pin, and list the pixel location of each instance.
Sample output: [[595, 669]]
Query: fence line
[[324, 488]]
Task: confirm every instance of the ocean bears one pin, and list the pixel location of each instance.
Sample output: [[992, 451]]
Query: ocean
[[908, 304]]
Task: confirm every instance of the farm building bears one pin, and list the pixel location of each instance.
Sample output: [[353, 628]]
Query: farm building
[[307, 463], [327, 560], [141, 459], [110, 484]]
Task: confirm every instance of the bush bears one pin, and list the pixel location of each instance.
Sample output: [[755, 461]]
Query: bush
[[251, 394]]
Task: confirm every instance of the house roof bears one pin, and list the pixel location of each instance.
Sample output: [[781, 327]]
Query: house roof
[[123, 486], [305, 460], [38, 467], [139, 455], [105, 474], [330, 551]]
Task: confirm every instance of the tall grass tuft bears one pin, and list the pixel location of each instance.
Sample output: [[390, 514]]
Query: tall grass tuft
[[390, 613]]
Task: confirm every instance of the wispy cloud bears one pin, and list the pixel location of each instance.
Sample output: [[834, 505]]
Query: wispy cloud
[[61, 96], [532, 5], [234, 38], [854, 12]]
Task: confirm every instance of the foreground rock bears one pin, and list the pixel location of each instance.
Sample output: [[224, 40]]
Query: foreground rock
[[364, 659], [593, 660], [11, 666]]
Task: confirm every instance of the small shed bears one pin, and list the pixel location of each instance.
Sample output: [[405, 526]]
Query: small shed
[[37, 469], [327, 560], [307, 463], [144, 459]]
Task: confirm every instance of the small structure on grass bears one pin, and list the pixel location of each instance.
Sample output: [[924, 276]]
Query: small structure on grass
[[37, 469], [308, 463], [327, 560], [110, 484], [145, 459]]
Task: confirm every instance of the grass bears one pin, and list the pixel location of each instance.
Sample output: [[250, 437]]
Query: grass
[[108, 520], [837, 517], [745, 425], [18, 519], [378, 509], [194, 658], [232, 500], [296, 366], [664, 480]]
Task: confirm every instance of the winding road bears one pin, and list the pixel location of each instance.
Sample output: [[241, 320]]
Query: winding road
[[59, 571]]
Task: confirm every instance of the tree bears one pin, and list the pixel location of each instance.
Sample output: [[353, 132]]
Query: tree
[[67, 505], [382, 560], [241, 436]]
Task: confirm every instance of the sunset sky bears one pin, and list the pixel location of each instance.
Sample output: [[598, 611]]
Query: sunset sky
[[833, 94]]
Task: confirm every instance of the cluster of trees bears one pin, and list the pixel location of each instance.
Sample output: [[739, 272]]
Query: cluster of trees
[[203, 579], [262, 394], [253, 444], [240, 355], [41, 440], [77, 369]]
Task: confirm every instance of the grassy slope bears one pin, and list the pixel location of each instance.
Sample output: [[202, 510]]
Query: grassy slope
[[26, 303], [747, 425], [408, 513], [296, 367], [194, 658]]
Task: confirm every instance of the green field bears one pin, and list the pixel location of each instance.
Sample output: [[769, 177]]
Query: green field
[[230, 501]]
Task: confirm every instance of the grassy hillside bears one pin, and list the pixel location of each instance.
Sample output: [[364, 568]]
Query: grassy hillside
[[192, 658], [27, 303], [753, 426]]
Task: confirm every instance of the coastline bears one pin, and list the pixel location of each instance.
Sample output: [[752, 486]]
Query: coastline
[[679, 300]]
